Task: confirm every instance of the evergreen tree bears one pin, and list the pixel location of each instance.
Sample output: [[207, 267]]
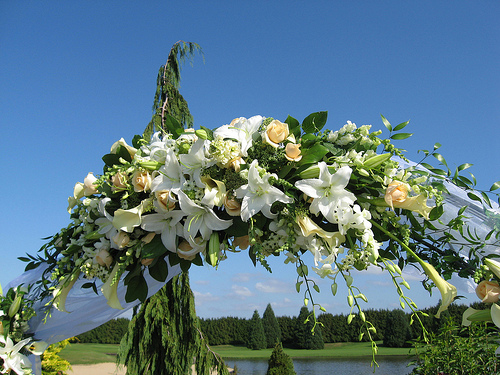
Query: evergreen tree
[[397, 329], [280, 363], [306, 338], [164, 336], [271, 327], [256, 336]]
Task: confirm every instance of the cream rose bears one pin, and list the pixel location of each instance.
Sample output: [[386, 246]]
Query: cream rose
[[235, 164], [104, 258], [488, 291], [148, 238], [276, 132], [120, 240], [233, 207], [89, 185], [163, 200], [118, 181], [186, 251], [147, 261], [141, 180], [396, 192], [242, 242], [292, 152]]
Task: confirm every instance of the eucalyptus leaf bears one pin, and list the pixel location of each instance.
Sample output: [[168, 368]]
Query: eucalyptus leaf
[[387, 124], [401, 126], [399, 136]]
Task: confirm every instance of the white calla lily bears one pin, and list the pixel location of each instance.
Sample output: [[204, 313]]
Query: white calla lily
[[61, 292], [448, 291], [110, 287]]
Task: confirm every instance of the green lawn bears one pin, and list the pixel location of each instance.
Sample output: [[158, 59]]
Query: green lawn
[[78, 354]]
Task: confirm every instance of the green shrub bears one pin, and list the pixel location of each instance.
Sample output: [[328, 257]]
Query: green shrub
[[52, 364], [459, 351], [279, 362]]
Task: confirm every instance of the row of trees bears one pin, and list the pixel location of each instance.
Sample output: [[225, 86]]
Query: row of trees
[[294, 332], [393, 327]]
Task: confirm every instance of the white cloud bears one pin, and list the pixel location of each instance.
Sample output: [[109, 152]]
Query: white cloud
[[273, 286], [202, 298], [241, 291]]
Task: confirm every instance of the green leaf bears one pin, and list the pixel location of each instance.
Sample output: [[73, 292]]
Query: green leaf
[[474, 197], [159, 270], [401, 126], [440, 158], [386, 123], [314, 122], [464, 166], [173, 126], [136, 141], [137, 288], [400, 136], [293, 126], [314, 154], [154, 248], [437, 145], [111, 159], [122, 152], [495, 186], [486, 198]]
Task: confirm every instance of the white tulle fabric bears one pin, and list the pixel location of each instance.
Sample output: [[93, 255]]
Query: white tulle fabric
[[88, 310]]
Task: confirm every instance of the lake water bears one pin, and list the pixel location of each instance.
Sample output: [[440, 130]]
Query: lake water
[[314, 366]]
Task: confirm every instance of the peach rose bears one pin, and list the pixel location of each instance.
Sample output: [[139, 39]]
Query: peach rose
[[147, 261], [118, 181], [186, 251], [292, 152], [89, 185], [121, 240], [488, 291], [396, 192], [163, 200], [148, 238], [235, 164], [233, 207], [141, 181], [104, 258], [242, 242], [276, 132]]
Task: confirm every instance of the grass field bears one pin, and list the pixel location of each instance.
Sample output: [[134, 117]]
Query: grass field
[[79, 354]]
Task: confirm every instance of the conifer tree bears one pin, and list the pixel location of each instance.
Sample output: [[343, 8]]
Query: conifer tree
[[397, 329], [280, 363], [256, 336], [271, 327], [306, 338], [164, 337]]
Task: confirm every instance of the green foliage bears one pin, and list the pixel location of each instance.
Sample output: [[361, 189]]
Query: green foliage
[[459, 351], [307, 338], [280, 363], [168, 101], [271, 327], [110, 332], [397, 329], [164, 337], [52, 363], [256, 335]]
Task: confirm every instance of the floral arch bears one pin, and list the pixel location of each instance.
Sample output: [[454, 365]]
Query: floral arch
[[326, 201]]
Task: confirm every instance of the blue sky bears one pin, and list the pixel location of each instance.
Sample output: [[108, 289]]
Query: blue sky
[[77, 76]]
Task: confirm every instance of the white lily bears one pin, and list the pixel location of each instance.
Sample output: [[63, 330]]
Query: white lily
[[167, 224], [259, 195], [200, 218], [328, 191], [242, 130], [493, 266], [170, 175], [193, 162], [12, 359]]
